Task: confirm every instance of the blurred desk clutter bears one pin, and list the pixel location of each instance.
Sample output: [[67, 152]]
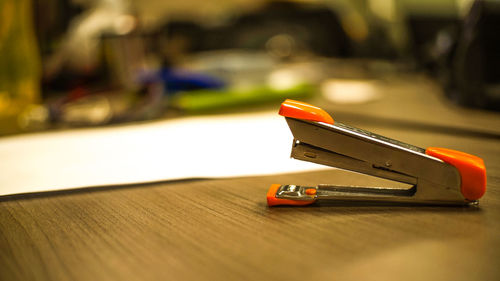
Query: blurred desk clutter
[[88, 63]]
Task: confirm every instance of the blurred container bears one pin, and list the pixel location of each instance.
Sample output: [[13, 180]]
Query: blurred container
[[19, 66]]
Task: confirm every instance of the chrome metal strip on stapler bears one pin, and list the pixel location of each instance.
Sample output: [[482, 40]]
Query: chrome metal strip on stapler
[[434, 175]]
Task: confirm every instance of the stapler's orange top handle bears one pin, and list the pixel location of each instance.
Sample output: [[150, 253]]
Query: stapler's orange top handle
[[302, 110], [471, 168]]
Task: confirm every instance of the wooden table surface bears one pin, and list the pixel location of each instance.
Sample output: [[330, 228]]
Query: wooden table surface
[[221, 229]]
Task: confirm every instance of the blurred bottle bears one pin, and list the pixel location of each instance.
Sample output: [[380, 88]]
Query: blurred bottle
[[19, 67]]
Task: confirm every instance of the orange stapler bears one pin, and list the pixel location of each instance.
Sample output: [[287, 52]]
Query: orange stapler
[[434, 175]]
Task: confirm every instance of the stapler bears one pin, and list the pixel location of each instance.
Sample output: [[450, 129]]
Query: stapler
[[433, 175]]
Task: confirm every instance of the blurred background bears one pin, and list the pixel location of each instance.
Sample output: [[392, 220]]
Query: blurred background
[[81, 63]]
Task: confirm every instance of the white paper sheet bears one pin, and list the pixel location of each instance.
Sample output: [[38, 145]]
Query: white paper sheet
[[215, 146]]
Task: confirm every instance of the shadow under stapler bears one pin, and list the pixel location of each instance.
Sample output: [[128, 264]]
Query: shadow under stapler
[[351, 207]]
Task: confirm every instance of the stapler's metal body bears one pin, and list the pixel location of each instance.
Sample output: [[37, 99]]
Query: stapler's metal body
[[433, 175]]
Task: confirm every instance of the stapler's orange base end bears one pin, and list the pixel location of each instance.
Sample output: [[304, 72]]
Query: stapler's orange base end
[[273, 201], [471, 168]]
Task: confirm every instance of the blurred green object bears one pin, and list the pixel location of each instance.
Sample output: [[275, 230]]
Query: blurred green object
[[211, 100], [19, 65]]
